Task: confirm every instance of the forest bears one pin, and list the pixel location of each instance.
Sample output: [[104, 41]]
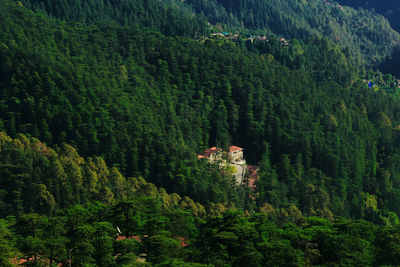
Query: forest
[[389, 8], [103, 111], [91, 215], [367, 35]]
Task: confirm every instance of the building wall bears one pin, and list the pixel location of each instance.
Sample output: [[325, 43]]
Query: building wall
[[236, 155]]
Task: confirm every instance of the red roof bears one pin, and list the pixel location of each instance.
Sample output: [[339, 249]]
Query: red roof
[[184, 241], [234, 148], [209, 151], [251, 183], [31, 259], [253, 168], [200, 157]]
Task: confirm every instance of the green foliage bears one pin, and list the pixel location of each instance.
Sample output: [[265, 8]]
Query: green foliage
[[232, 239], [147, 104], [389, 8], [364, 33], [155, 228], [62, 179], [153, 15], [8, 250], [135, 103]]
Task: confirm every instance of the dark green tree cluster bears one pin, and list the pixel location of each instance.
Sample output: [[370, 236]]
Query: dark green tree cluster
[[391, 64], [150, 14], [88, 236], [321, 58], [389, 8], [35, 178], [366, 34]]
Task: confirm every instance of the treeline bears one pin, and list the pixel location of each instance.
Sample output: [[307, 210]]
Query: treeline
[[154, 236], [149, 14], [367, 35]]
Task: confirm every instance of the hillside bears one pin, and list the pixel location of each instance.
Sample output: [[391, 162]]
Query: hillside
[[367, 35], [389, 8], [106, 109], [148, 104], [90, 214], [170, 19]]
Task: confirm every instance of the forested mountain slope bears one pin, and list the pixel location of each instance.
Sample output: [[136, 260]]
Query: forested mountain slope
[[70, 209], [98, 112], [368, 36], [36, 178], [169, 19], [107, 92], [391, 64], [389, 8], [365, 33], [148, 103]]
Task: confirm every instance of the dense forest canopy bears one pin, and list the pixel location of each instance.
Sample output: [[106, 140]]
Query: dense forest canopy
[[389, 8], [89, 214], [147, 104], [103, 111], [151, 14], [367, 35]]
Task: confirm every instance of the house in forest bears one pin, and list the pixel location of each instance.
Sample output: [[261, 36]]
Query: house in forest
[[235, 154], [237, 161], [283, 41], [263, 38], [233, 158], [212, 154]]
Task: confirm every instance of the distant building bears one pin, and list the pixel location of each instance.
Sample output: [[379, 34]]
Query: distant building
[[283, 41], [212, 154], [217, 34], [233, 38], [235, 160], [235, 154], [263, 38]]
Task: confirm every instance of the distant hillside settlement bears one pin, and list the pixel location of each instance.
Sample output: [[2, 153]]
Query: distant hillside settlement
[[252, 38], [391, 85], [244, 174]]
